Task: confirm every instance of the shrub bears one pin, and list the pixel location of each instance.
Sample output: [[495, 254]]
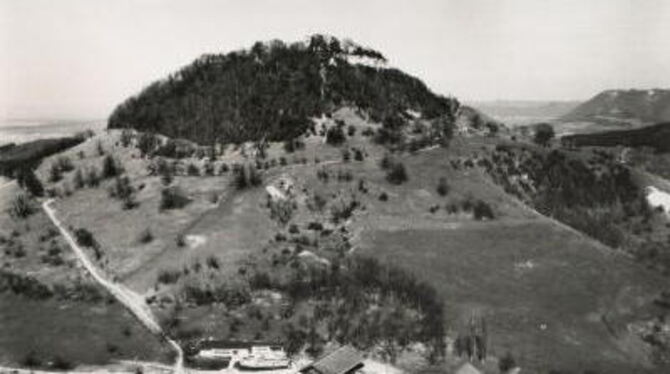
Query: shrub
[[126, 137], [92, 178], [213, 262], [358, 155], [31, 360], [192, 170], [383, 196], [316, 226], [85, 238], [147, 143], [209, 168], [386, 162], [442, 187], [99, 148], [78, 179], [281, 210], [110, 167], [124, 191], [346, 155], [291, 145], [64, 164], [28, 180], [506, 363], [21, 207], [544, 132], [351, 130], [335, 136], [146, 236], [166, 276], [55, 173], [173, 198], [482, 210], [397, 173], [223, 169], [246, 176]]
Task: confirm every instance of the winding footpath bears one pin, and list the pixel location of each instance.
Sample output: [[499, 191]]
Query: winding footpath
[[131, 300]]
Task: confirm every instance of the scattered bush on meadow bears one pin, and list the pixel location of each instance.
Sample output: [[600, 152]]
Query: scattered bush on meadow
[[27, 179], [281, 210], [124, 191], [482, 211], [85, 238], [55, 173], [31, 360], [506, 363], [146, 236], [209, 168], [78, 179], [110, 167], [358, 155], [173, 198], [166, 276], [335, 136], [193, 170], [21, 207], [99, 148], [92, 177], [544, 132], [246, 176], [346, 155], [147, 143], [126, 137], [180, 240], [212, 262], [397, 174], [442, 187], [25, 285]]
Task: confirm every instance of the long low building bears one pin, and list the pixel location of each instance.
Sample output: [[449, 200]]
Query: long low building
[[344, 360]]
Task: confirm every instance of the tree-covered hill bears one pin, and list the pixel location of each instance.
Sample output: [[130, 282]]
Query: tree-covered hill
[[273, 90], [655, 136]]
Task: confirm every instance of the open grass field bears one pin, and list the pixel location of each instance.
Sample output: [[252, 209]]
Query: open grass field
[[79, 333], [543, 290]]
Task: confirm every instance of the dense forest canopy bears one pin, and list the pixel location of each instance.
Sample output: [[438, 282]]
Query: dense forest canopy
[[273, 90]]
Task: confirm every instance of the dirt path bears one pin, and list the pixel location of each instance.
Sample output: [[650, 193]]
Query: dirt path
[[131, 300]]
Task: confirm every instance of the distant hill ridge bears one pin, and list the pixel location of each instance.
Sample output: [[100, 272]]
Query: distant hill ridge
[[273, 90], [635, 107]]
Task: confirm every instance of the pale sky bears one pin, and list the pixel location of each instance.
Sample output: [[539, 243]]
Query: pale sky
[[79, 58]]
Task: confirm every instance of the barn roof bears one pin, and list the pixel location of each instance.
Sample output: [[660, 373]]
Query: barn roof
[[342, 360]]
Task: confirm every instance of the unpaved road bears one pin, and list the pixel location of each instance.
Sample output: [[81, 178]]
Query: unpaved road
[[131, 300]]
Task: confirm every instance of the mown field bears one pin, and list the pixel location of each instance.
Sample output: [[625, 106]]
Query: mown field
[[77, 333], [543, 291]]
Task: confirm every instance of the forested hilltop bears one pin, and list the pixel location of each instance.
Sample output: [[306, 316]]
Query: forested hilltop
[[273, 90]]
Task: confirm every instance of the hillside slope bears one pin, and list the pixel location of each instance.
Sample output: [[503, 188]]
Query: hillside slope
[[633, 107], [273, 91]]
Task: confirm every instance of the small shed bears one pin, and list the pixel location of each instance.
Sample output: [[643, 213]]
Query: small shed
[[344, 360]]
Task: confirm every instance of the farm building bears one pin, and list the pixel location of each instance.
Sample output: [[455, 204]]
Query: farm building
[[236, 350], [344, 360]]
